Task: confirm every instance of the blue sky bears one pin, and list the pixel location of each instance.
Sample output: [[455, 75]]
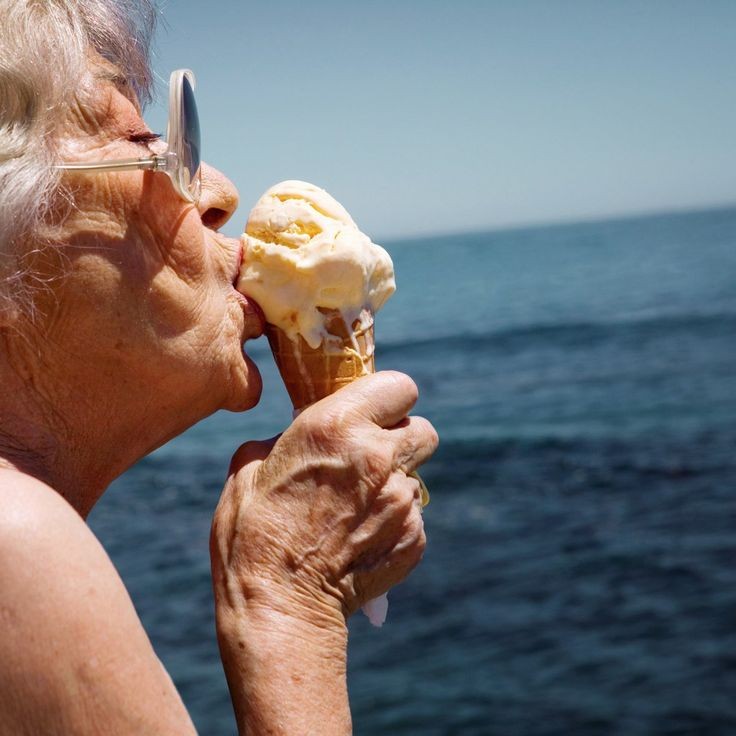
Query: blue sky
[[433, 117]]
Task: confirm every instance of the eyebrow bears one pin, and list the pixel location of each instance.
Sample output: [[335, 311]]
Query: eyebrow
[[119, 80]]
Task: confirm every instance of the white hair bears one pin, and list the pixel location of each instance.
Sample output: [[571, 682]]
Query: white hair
[[44, 52]]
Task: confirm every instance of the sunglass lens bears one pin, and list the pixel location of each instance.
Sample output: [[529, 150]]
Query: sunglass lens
[[191, 142]]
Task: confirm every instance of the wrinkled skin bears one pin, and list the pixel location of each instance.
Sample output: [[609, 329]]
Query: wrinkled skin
[[340, 469], [138, 330], [309, 527], [137, 334]]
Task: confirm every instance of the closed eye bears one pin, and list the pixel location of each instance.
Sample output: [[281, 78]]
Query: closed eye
[[145, 137]]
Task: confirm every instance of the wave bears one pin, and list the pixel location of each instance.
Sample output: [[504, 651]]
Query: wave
[[561, 333], [670, 455], [571, 333]]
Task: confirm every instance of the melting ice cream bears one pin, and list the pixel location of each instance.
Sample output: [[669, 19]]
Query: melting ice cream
[[304, 258]]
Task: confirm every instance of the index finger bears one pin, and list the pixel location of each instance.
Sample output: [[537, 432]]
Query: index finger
[[383, 398]]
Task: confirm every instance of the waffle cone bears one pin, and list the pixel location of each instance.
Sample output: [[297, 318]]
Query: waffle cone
[[310, 374]]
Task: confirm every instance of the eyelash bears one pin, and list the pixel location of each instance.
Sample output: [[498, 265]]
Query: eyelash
[[144, 137]]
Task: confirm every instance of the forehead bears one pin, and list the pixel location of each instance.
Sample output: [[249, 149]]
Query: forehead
[[104, 73], [105, 107]]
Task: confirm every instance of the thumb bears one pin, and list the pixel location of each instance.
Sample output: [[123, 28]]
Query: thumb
[[250, 452]]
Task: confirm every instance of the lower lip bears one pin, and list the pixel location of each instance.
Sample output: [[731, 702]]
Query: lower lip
[[239, 262], [251, 309]]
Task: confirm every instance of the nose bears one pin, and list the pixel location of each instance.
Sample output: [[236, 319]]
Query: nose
[[218, 199]]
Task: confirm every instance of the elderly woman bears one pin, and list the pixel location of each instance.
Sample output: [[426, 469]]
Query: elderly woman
[[120, 328]]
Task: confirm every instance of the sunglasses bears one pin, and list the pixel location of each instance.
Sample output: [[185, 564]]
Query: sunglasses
[[181, 161]]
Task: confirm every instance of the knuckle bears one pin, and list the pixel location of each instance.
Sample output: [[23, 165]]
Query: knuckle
[[415, 532], [376, 457], [409, 551], [405, 497], [431, 438], [330, 419], [324, 428], [424, 432], [405, 383], [399, 497]]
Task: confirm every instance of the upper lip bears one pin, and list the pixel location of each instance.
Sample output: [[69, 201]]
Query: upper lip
[[235, 247], [238, 264], [253, 307]]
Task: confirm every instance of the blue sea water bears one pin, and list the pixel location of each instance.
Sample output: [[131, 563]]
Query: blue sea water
[[580, 576]]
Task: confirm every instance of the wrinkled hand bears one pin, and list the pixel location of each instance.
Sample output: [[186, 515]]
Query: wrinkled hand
[[322, 519]]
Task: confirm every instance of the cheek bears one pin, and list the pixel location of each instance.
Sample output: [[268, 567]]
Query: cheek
[[183, 294], [181, 286], [144, 261], [171, 228]]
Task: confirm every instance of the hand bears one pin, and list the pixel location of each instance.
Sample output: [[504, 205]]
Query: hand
[[315, 523]]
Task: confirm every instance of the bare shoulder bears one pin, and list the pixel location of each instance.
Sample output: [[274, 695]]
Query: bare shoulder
[[73, 654], [28, 502], [38, 530], [41, 535]]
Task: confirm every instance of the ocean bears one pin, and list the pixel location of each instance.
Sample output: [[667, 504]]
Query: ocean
[[580, 574]]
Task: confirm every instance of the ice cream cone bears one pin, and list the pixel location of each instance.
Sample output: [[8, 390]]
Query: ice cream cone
[[310, 374], [319, 280]]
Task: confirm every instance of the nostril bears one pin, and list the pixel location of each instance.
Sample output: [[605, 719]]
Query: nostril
[[214, 218]]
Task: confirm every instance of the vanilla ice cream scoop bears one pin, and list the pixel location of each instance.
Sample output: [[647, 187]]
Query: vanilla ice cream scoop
[[303, 256]]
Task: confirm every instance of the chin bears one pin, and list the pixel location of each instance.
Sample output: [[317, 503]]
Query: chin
[[246, 386]]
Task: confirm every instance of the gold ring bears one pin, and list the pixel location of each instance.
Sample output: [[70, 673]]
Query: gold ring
[[422, 487]]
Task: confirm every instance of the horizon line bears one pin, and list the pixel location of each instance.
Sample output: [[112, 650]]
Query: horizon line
[[564, 221]]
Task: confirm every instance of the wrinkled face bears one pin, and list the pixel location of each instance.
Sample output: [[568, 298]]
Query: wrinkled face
[[147, 305]]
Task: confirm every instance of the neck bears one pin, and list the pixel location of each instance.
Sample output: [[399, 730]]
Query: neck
[[78, 424], [53, 439], [29, 446]]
